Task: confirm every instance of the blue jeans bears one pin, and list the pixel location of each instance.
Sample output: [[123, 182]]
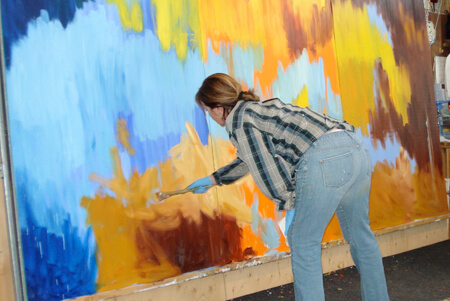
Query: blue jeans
[[334, 175]]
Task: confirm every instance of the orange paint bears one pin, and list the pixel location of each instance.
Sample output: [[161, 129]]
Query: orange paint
[[123, 135], [132, 227], [404, 196]]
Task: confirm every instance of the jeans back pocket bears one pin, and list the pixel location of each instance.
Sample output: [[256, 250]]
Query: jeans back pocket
[[337, 170]]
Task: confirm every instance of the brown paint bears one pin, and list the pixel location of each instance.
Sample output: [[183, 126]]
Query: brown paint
[[192, 246], [414, 55], [319, 31]]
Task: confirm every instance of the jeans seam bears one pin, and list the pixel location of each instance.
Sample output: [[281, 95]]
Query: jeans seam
[[344, 215]]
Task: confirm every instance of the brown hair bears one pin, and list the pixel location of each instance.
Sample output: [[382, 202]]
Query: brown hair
[[221, 90]]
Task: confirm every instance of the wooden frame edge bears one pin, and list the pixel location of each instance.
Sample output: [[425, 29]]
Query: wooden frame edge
[[7, 287]]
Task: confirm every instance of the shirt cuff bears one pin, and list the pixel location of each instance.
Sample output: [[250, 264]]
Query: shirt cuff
[[217, 179]]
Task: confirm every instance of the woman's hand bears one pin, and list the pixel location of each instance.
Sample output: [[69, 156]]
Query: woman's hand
[[201, 185]]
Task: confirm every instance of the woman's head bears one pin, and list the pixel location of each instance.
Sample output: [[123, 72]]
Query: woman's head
[[220, 93]]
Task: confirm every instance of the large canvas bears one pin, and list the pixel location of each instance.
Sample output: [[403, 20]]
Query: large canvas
[[100, 102]]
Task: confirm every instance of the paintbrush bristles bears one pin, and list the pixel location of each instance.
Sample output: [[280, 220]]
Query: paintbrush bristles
[[162, 196]]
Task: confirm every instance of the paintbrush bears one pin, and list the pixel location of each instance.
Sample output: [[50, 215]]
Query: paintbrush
[[164, 195]]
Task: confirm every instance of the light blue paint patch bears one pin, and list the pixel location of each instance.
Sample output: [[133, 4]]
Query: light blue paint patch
[[110, 9], [125, 164], [256, 218], [270, 236], [246, 61], [215, 64], [377, 20], [300, 74], [217, 130], [289, 218], [334, 107], [160, 88], [389, 153]]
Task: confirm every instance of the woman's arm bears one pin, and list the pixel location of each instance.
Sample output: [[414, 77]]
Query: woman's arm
[[231, 172]]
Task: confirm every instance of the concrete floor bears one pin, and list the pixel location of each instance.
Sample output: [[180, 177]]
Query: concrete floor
[[419, 275]]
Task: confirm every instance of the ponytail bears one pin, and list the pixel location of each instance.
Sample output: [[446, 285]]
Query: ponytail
[[248, 96]]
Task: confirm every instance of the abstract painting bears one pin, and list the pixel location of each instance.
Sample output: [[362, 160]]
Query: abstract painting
[[101, 116]]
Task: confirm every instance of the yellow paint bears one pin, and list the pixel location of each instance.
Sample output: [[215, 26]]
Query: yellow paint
[[118, 218], [117, 253], [302, 98], [174, 21], [235, 23], [359, 45], [404, 196], [121, 207], [130, 16]]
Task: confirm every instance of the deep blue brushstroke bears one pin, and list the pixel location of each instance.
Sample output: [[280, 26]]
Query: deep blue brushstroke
[[149, 152], [16, 14], [201, 126], [57, 268], [148, 15]]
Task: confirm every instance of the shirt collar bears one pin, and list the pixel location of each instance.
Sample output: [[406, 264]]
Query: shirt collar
[[229, 119]]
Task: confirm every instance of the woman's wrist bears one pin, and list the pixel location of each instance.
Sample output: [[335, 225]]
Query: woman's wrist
[[213, 181]]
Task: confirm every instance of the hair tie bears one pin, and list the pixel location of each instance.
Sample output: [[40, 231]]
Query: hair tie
[[240, 95]]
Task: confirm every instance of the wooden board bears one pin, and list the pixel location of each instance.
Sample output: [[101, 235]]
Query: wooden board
[[6, 271], [445, 151]]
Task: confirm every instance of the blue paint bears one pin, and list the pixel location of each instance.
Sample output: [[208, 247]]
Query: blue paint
[[334, 104], [387, 154], [57, 267], [269, 236], [200, 123], [104, 79], [289, 85], [246, 62], [148, 15], [289, 218], [17, 14], [80, 76], [256, 218], [377, 20]]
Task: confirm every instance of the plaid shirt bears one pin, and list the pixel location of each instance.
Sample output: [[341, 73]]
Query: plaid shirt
[[270, 138]]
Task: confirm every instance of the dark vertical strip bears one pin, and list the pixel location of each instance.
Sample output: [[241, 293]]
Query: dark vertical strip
[[6, 173]]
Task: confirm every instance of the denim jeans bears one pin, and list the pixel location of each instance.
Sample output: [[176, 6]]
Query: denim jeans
[[334, 175]]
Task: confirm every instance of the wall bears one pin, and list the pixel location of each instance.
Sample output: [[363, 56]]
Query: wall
[[100, 99]]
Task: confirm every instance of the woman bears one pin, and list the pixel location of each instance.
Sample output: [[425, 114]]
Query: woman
[[302, 160]]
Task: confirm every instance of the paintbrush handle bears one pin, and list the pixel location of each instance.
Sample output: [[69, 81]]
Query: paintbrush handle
[[165, 195], [171, 193]]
